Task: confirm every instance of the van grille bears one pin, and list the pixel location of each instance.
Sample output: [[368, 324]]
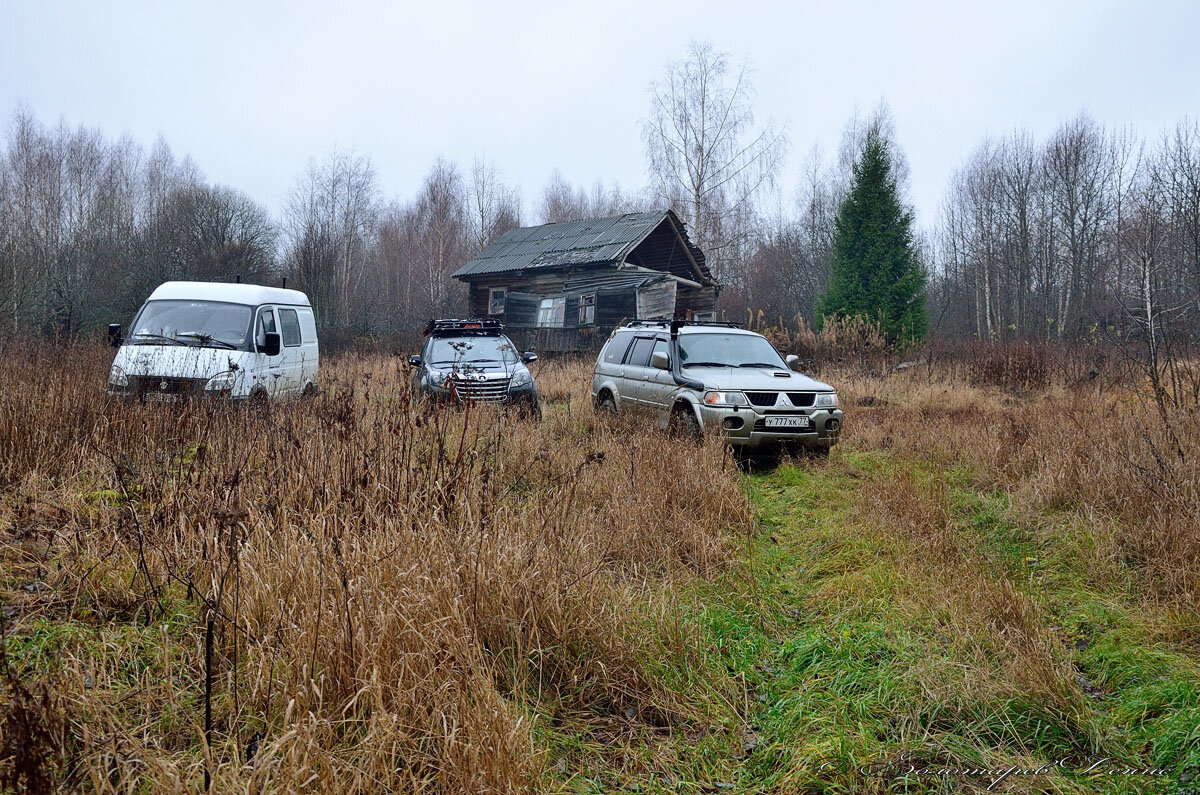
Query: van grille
[[164, 385], [490, 391]]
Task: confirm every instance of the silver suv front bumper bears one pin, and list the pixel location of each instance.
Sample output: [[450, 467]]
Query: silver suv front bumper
[[745, 427]]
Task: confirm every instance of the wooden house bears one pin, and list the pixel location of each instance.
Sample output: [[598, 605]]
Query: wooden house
[[564, 287]]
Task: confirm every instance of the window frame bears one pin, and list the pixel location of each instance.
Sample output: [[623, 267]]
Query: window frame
[[587, 309], [557, 312], [493, 294]]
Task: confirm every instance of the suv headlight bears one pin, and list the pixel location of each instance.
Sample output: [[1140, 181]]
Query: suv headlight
[[117, 377], [221, 382], [437, 377], [521, 378], [725, 399], [828, 399]]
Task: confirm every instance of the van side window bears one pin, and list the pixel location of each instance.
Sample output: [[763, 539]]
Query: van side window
[[290, 327], [639, 356], [615, 352], [266, 325]]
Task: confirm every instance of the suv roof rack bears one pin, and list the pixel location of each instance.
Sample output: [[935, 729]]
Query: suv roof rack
[[678, 323], [645, 324], [470, 326]]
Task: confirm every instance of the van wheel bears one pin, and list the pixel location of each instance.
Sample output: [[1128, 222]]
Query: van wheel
[[606, 405], [684, 423], [309, 391], [258, 398]]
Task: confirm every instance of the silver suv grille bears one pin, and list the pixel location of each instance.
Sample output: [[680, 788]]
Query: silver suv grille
[[798, 399], [762, 398], [493, 390]]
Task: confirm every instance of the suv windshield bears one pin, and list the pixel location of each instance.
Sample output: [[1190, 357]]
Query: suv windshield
[[727, 350], [459, 350], [205, 323]]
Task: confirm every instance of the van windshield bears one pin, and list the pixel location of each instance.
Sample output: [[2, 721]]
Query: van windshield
[[451, 350], [727, 350], [206, 323]]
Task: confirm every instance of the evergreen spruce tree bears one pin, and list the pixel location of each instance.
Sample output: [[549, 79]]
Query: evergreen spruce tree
[[875, 271]]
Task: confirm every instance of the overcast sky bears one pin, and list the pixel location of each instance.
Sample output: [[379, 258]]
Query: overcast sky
[[253, 90]]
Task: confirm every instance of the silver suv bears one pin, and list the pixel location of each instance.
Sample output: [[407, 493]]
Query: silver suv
[[694, 376]]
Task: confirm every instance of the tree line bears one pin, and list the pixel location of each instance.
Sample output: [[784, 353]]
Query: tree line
[[1093, 231]]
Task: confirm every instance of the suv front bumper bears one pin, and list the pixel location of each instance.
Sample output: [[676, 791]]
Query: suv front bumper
[[524, 395], [745, 427]]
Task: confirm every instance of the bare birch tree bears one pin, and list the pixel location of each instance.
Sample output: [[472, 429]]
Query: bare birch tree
[[707, 157]]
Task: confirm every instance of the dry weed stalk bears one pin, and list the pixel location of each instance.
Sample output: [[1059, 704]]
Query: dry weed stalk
[[348, 594]]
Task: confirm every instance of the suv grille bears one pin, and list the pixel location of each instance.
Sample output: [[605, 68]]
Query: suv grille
[[491, 391], [762, 398], [798, 399]]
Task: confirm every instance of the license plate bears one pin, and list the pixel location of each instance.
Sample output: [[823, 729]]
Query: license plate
[[159, 397], [788, 422]]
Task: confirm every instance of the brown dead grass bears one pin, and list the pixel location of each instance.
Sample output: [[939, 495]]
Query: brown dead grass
[[1102, 452], [388, 587]]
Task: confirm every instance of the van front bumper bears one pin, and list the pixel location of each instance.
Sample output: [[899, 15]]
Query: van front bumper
[[742, 426]]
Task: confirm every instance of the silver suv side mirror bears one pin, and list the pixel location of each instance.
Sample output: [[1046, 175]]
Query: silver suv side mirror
[[660, 360], [792, 360]]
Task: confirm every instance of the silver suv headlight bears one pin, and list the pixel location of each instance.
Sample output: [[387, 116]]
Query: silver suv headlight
[[117, 377], [521, 378], [437, 377], [827, 399], [221, 382], [725, 399]]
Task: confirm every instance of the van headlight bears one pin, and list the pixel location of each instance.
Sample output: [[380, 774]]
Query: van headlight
[[221, 382], [117, 377], [827, 399], [725, 399], [521, 378]]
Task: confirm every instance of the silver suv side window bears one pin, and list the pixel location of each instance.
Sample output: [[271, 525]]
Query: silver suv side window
[[615, 352], [639, 355]]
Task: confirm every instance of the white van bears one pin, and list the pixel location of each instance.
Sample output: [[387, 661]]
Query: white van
[[221, 340]]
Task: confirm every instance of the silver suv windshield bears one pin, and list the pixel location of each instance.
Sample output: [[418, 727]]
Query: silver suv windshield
[[207, 323], [471, 350], [727, 350]]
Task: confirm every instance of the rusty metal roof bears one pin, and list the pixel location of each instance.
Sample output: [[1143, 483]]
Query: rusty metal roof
[[584, 242]]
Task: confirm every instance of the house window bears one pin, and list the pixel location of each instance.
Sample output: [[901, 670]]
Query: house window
[[587, 309], [551, 312], [496, 301], [704, 317]]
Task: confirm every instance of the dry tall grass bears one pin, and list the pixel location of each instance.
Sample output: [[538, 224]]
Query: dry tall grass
[[1101, 448], [347, 594], [353, 594]]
